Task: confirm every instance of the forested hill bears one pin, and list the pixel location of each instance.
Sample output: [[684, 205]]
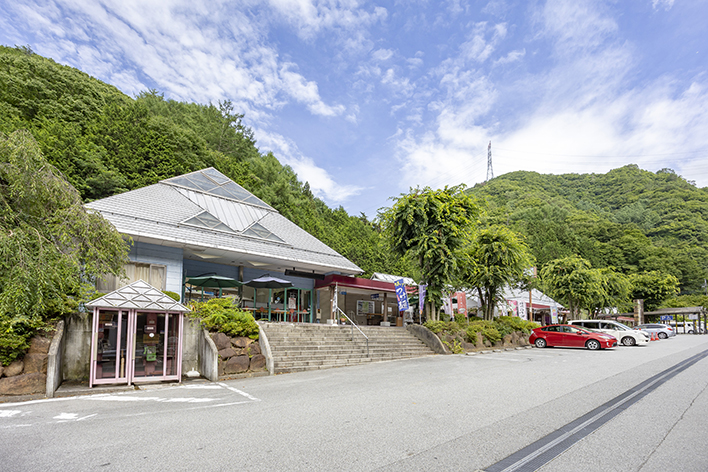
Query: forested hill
[[106, 142], [630, 219]]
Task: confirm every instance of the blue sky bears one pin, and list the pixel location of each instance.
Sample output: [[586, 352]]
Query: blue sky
[[365, 99]]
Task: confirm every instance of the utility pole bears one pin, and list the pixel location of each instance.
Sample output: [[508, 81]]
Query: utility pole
[[490, 172]]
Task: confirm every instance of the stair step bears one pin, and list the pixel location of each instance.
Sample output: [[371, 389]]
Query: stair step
[[297, 347]]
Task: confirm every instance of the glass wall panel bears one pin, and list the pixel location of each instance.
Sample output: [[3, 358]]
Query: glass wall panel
[[149, 345]]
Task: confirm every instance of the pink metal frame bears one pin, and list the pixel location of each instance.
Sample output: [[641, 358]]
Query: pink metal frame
[[129, 378]]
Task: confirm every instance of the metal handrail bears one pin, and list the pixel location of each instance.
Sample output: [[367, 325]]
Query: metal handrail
[[354, 325]]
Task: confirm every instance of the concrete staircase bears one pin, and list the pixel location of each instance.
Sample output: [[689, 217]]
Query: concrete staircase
[[298, 347]]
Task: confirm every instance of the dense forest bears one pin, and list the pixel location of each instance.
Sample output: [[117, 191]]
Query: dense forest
[[629, 219], [106, 142]]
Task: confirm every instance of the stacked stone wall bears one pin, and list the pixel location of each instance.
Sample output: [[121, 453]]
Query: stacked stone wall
[[28, 375], [238, 355]]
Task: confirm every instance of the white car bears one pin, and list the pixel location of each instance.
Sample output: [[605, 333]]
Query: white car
[[624, 334]]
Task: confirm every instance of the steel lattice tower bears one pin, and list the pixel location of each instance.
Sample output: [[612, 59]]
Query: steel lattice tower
[[490, 172]]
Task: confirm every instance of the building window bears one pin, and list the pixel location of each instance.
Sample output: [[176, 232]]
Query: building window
[[154, 274]]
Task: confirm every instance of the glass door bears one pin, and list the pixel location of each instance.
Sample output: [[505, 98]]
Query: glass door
[[109, 350], [157, 347]]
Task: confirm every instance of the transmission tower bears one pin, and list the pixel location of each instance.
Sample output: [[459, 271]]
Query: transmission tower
[[490, 172]]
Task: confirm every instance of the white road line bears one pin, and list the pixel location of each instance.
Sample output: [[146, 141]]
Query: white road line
[[9, 413], [250, 397], [494, 358]]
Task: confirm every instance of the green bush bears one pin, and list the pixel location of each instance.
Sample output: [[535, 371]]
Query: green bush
[[221, 314], [487, 328], [439, 327], [174, 296], [511, 324], [461, 319]]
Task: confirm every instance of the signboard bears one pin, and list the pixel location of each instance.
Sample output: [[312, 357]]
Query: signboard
[[374, 296], [693, 317], [292, 303], [554, 314], [401, 294], [461, 303], [667, 317]]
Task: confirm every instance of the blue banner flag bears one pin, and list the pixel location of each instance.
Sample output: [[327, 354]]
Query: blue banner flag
[[422, 290], [401, 295]]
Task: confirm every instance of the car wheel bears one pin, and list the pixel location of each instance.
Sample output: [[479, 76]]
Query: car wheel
[[690, 331], [540, 342], [663, 335], [593, 345], [629, 341]]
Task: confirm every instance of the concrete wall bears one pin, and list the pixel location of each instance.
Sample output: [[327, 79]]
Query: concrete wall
[[54, 360], [208, 357], [190, 345], [428, 337], [77, 346]]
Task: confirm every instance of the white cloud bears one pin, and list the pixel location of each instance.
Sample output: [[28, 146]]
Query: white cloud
[[578, 115], [195, 51], [311, 17], [666, 4], [321, 182]]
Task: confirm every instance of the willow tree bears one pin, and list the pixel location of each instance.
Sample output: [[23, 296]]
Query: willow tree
[[497, 258], [431, 226], [50, 246]]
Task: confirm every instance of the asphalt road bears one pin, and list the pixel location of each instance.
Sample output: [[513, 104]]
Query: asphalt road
[[434, 413]]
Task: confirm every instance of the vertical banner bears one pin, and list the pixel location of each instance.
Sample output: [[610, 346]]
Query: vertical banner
[[514, 307], [422, 290], [401, 294], [522, 311], [554, 314], [461, 303], [447, 305]]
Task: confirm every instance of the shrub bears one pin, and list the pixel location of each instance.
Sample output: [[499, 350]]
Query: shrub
[[461, 319], [487, 328], [439, 327], [174, 296], [513, 323], [220, 314]]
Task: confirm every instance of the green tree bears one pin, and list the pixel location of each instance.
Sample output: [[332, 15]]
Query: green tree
[[653, 287], [496, 258], [572, 281], [50, 246], [431, 226]]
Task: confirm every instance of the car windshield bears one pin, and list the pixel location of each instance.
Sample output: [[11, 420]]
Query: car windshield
[[622, 327]]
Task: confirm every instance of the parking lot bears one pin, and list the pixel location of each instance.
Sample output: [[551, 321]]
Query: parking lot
[[454, 412]]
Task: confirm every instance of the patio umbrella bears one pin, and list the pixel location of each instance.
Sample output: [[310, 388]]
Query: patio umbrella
[[213, 281], [268, 282]]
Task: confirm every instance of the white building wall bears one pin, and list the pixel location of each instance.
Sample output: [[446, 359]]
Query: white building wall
[[168, 256]]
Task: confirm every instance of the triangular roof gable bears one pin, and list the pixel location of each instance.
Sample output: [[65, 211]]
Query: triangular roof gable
[[139, 295], [212, 182]]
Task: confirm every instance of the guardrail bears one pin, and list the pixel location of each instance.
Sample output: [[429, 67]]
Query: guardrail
[[354, 325]]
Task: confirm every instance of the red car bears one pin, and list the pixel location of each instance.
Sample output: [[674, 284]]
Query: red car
[[571, 336]]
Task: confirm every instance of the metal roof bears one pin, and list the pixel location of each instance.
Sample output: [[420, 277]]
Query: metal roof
[[139, 295], [216, 221]]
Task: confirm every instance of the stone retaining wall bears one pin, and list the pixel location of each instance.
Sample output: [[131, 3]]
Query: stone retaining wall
[[238, 355], [27, 375]]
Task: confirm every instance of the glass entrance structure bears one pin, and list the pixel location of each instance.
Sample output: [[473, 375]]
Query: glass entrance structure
[[136, 336]]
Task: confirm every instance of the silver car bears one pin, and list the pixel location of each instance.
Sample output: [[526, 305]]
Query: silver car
[[624, 334], [662, 331]]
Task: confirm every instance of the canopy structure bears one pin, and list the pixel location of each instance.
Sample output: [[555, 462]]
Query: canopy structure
[[213, 281], [268, 282]]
